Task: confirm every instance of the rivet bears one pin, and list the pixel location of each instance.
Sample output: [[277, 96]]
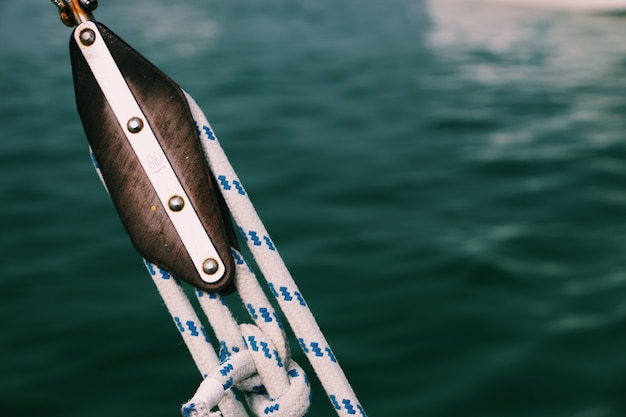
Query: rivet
[[210, 266], [176, 203], [87, 37], [134, 125]]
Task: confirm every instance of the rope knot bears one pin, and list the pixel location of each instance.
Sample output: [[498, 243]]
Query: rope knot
[[272, 387]]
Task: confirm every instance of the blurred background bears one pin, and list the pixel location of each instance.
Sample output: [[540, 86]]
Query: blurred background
[[446, 180]]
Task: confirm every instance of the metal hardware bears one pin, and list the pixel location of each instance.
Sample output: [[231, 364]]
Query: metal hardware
[[176, 203], [89, 5], [75, 12], [87, 37], [134, 125], [210, 266], [146, 144]]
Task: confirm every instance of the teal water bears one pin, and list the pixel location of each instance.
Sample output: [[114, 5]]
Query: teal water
[[444, 180]]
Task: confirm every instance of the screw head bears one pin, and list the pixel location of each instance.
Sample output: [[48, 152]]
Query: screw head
[[87, 37], [210, 266], [134, 125], [176, 203]]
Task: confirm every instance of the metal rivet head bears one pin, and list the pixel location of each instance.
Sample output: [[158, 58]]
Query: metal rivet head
[[210, 266], [87, 37], [134, 125], [176, 203]]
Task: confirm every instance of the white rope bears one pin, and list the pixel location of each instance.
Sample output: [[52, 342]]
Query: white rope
[[252, 358], [278, 278], [193, 334]]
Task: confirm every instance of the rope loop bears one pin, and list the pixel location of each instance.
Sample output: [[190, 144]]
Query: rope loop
[[254, 358], [294, 402], [269, 386]]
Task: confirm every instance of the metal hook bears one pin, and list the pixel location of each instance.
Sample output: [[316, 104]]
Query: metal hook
[[75, 12]]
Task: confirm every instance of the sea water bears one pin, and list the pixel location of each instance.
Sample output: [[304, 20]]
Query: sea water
[[445, 180]]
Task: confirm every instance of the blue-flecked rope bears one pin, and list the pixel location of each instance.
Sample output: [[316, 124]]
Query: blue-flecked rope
[[279, 280]]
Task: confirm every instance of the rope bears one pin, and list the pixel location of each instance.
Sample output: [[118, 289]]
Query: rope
[[254, 358], [278, 278]]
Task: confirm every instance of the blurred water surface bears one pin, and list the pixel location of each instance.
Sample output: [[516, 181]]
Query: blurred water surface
[[446, 181]]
